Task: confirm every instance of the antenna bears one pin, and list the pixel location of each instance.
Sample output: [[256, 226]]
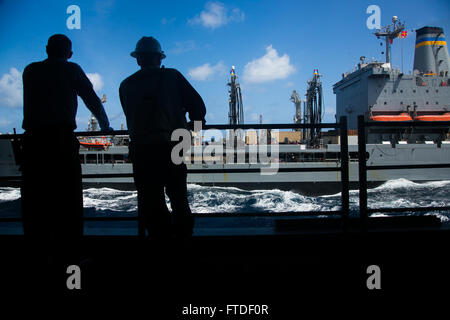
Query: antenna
[[389, 35]]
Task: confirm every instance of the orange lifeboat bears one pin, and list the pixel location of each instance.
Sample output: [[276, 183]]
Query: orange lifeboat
[[95, 144], [434, 117], [386, 117]]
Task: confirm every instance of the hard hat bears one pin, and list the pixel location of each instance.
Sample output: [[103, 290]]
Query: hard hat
[[147, 45]]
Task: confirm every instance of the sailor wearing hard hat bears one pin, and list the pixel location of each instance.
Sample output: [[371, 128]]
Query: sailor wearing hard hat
[[155, 101]]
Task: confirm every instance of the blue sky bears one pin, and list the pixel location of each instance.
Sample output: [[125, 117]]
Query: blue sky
[[275, 46]]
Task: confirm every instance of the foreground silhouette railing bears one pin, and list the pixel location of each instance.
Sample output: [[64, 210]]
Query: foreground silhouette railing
[[343, 169], [363, 167]]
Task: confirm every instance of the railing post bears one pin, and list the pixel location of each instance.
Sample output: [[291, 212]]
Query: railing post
[[362, 165], [345, 201]]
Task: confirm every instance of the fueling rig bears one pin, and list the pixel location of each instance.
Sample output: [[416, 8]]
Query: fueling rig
[[236, 113], [312, 110]]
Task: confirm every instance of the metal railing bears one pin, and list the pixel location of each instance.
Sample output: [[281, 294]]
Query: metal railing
[[363, 167], [343, 169]]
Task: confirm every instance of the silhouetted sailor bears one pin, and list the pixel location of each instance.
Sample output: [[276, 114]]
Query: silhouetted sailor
[[52, 199], [155, 101]]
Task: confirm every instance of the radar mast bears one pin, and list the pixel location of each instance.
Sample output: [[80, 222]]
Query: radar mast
[[389, 35]]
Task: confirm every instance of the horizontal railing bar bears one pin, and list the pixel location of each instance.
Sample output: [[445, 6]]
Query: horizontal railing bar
[[209, 215], [413, 209], [266, 168], [270, 126], [101, 133], [204, 127], [407, 124], [410, 166]]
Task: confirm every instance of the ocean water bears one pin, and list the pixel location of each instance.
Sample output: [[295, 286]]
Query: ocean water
[[206, 200]]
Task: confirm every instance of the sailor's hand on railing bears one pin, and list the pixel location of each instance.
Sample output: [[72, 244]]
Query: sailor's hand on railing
[[190, 125], [109, 129]]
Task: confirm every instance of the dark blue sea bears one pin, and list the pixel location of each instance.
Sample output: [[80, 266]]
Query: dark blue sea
[[105, 202]]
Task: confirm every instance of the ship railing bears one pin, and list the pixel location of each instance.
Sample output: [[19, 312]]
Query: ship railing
[[363, 127], [343, 169]]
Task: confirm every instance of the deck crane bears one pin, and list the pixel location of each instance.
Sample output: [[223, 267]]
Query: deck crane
[[295, 98], [93, 123]]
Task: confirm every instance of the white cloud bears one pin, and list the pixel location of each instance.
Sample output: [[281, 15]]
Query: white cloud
[[268, 68], [96, 80], [206, 71], [11, 90], [216, 15]]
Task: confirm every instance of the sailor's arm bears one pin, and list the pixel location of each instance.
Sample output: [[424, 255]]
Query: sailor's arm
[[91, 100], [26, 97], [192, 101]]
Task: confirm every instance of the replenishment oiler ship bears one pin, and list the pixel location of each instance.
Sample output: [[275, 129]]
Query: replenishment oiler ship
[[377, 90]]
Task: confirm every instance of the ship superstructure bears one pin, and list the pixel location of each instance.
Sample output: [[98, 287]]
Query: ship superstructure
[[381, 92]]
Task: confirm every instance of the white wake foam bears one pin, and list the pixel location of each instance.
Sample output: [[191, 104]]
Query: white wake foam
[[405, 183], [110, 199], [394, 193], [9, 194]]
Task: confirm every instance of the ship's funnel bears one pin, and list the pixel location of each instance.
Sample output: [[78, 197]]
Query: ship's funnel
[[431, 54]]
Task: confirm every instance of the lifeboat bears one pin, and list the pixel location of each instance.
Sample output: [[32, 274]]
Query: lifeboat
[[434, 117], [388, 117], [95, 144]]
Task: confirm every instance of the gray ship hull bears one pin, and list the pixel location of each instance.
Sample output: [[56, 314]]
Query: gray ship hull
[[309, 183]]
